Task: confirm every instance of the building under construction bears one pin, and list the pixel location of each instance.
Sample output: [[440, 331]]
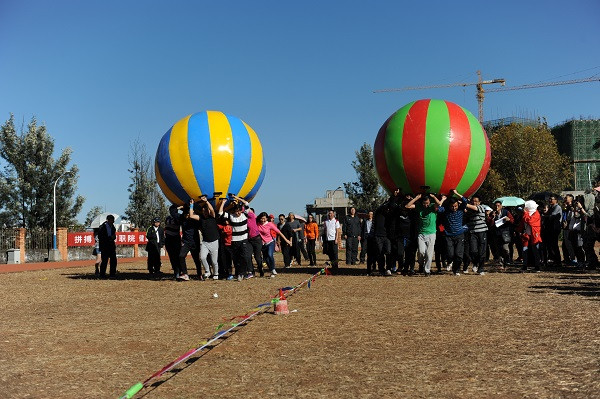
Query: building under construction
[[580, 141]]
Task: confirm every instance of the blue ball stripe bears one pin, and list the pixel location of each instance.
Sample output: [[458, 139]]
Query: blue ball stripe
[[166, 168], [200, 152], [254, 190], [242, 154]]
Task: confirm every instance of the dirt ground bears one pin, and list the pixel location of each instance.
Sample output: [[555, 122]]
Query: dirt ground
[[65, 334]]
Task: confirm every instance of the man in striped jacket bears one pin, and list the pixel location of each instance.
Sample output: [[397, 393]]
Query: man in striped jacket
[[238, 220], [478, 233]]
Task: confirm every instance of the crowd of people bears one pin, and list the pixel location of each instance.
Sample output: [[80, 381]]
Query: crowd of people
[[456, 232], [404, 232]]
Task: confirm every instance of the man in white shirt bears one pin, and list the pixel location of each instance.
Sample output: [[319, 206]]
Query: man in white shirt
[[331, 239]]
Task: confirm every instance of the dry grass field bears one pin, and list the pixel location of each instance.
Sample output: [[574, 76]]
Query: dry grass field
[[65, 334]]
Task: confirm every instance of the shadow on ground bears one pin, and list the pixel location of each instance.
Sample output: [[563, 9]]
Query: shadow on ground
[[582, 284]]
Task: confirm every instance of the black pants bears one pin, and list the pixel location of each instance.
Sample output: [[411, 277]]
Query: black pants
[[589, 240], [303, 249], [551, 243], [173, 247], [371, 254], [351, 250], [383, 249], [255, 249], [531, 256], [153, 259], [477, 249], [567, 247], [331, 248], [225, 260], [239, 251], [364, 249], [455, 249], [395, 260], [441, 253], [286, 251], [189, 247], [575, 236], [108, 253], [312, 255]]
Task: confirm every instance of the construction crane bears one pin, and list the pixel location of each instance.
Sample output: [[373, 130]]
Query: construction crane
[[480, 91], [542, 84], [479, 84]]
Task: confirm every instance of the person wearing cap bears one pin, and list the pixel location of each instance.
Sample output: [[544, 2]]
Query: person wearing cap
[[107, 234], [156, 240]]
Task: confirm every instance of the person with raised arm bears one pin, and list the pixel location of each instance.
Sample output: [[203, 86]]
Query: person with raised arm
[[238, 220], [426, 226]]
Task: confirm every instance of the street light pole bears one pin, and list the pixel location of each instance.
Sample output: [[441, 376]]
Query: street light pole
[[54, 235]]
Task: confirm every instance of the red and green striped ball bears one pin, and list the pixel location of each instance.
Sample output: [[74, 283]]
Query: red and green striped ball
[[432, 143]]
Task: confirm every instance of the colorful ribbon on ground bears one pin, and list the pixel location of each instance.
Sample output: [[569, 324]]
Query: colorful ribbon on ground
[[283, 293]]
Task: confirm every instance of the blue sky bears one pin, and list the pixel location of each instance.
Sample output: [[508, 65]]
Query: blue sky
[[302, 74]]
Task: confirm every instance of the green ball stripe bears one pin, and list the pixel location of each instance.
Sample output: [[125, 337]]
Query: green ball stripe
[[476, 155], [437, 143], [393, 147]]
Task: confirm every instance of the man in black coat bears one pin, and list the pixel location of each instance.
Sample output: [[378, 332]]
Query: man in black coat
[[156, 240], [351, 231], [108, 249]]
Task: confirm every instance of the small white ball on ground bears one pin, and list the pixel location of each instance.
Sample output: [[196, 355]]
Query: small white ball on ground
[[215, 295]]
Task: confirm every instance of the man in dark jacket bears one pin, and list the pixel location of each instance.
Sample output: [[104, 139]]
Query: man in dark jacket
[[108, 249], [351, 231], [156, 239]]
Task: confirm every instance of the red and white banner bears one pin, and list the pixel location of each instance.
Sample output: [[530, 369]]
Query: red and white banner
[[87, 239]]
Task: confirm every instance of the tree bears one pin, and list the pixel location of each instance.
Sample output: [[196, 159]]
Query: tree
[[91, 215], [145, 200], [525, 160], [28, 176], [366, 193]]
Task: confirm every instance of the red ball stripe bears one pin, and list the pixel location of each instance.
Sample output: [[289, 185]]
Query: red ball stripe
[[460, 147], [380, 162], [413, 144], [484, 170]]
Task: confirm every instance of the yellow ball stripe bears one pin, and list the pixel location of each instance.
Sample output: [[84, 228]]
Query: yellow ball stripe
[[180, 158], [221, 143], [256, 162], [165, 189]]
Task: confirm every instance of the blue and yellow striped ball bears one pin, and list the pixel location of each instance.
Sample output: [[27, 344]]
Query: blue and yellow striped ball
[[209, 152]]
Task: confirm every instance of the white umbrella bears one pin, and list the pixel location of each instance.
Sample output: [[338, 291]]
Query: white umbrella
[[98, 220]]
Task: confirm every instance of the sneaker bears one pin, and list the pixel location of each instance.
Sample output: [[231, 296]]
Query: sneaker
[[240, 277], [249, 276], [216, 277], [457, 274], [388, 272], [274, 272], [288, 267], [230, 277], [481, 273], [184, 277], [466, 271], [449, 267], [206, 275], [475, 268], [394, 269]]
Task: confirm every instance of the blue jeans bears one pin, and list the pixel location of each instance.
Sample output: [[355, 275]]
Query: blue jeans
[[267, 253]]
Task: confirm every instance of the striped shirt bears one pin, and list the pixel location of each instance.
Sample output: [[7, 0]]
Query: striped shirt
[[453, 225], [477, 220], [239, 226]]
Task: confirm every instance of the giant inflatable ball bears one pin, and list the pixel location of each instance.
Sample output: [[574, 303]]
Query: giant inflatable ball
[[209, 152], [432, 143]]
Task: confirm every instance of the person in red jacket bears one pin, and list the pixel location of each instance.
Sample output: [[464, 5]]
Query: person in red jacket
[[531, 235]]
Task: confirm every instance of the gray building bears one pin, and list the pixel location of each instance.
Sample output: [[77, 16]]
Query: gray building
[[580, 141], [334, 199]]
